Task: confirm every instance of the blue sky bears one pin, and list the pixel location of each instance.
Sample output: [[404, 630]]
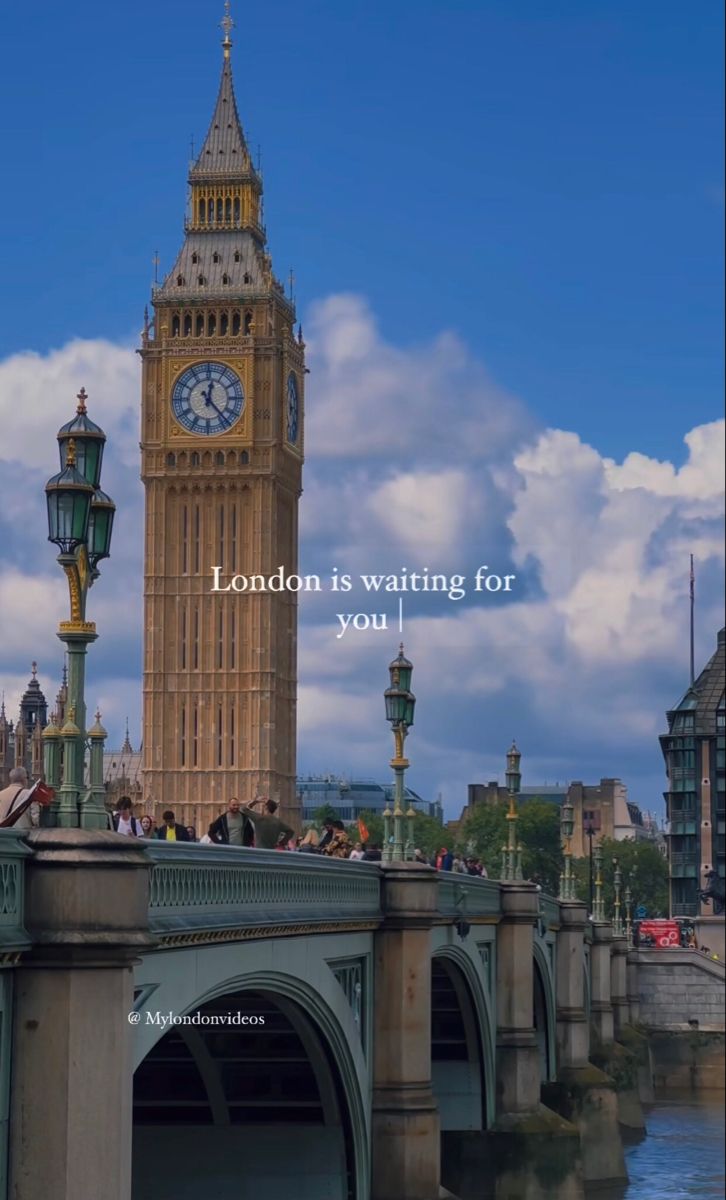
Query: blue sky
[[513, 213], [545, 179]]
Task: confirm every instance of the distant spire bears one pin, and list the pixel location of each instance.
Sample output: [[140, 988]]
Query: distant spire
[[81, 398], [34, 669], [227, 24], [127, 748]]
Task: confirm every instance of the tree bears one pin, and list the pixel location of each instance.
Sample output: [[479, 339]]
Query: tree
[[644, 870], [428, 834], [484, 832], [538, 829], [326, 812]]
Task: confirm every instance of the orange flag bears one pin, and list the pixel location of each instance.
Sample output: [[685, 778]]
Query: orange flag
[[364, 834]]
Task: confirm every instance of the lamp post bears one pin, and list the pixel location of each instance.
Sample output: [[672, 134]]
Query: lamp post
[[400, 705], [628, 914], [567, 828], [512, 852], [80, 523], [598, 907], [589, 831], [617, 884]]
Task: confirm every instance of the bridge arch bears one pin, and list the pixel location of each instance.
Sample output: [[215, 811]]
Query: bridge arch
[[545, 1018], [477, 1079], [304, 1047]]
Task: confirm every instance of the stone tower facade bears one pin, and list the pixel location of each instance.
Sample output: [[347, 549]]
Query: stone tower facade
[[222, 453]]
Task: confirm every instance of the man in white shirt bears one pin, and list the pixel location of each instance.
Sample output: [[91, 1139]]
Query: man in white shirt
[[124, 821], [12, 797]]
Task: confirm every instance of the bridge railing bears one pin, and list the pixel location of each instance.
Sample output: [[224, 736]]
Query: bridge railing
[[13, 852], [466, 896], [549, 908], [235, 891]]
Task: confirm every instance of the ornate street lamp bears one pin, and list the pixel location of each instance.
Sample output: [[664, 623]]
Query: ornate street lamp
[[567, 828], [400, 705], [629, 914], [589, 831], [512, 852], [80, 524], [617, 884], [598, 906]]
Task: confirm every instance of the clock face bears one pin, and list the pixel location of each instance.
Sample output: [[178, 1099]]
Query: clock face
[[208, 398], [292, 408]]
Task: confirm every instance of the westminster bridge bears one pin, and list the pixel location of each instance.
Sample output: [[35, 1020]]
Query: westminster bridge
[[179, 1022]]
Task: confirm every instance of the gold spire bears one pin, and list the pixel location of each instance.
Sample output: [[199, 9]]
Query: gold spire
[[227, 25]]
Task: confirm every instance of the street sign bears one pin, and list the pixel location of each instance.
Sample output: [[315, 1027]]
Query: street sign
[[641, 911]]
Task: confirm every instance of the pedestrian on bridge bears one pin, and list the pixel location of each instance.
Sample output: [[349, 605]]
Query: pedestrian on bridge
[[170, 831], [233, 827], [268, 829]]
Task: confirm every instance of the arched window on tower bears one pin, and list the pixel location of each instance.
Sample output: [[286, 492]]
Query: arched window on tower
[[211, 324], [220, 211], [237, 256], [201, 280], [219, 458], [194, 460], [175, 325], [247, 278], [244, 458], [225, 279], [210, 211], [228, 209], [187, 324], [236, 210], [202, 211], [248, 323], [236, 320], [171, 460], [195, 257], [180, 281], [200, 325], [215, 257], [223, 323]]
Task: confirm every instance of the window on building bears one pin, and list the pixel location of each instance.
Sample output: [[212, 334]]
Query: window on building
[[195, 738], [197, 536], [183, 639], [183, 737], [231, 736], [195, 640], [185, 538], [200, 325]]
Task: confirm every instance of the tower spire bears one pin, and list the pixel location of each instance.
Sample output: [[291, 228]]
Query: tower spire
[[227, 25]]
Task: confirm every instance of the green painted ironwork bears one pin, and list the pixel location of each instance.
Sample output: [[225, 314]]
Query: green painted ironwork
[[550, 911], [13, 852], [223, 887], [466, 894]]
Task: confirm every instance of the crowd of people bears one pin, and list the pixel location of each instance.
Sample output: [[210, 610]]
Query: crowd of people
[[257, 824]]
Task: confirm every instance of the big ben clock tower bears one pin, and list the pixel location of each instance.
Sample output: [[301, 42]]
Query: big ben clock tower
[[222, 453]]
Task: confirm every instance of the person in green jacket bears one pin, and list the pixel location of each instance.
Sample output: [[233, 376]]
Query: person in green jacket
[[268, 828]]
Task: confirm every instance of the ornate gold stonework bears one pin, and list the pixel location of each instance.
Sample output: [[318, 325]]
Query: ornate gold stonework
[[77, 627]]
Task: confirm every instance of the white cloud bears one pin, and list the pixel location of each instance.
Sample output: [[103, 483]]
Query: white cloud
[[415, 458]]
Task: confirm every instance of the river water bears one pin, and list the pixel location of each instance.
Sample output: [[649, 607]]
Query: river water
[[681, 1157]]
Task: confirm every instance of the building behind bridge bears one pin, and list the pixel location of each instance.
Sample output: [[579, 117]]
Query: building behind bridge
[[694, 749]]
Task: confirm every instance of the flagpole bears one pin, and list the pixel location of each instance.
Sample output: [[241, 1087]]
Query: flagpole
[[692, 598]]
